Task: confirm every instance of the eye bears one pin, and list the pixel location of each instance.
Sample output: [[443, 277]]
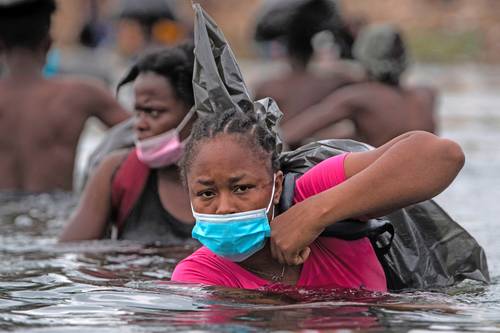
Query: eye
[[150, 112], [242, 188], [154, 113], [206, 194]]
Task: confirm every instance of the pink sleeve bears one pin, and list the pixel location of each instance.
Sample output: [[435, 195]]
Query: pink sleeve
[[321, 177]]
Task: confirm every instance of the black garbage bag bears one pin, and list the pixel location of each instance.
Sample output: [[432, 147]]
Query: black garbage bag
[[428, 248]]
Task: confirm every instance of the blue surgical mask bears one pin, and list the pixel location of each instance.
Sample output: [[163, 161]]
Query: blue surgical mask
[[236, 236]]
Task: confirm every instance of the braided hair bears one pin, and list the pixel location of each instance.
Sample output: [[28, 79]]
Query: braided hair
[[247, 126], [175, 64]]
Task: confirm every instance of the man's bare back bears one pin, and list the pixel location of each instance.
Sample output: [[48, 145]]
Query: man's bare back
[[382, 112], [378, 113], [40, 124], [41, 119]]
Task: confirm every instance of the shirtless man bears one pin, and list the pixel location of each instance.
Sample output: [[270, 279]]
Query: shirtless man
[[379, 109], [297, 23], [40, 119]]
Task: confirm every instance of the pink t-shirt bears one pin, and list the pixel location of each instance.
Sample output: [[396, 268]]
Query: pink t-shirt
[[333, 263]]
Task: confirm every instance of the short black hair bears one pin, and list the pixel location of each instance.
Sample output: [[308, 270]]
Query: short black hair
[[251, 129], [298, 22], [25, 24], [173, 63]]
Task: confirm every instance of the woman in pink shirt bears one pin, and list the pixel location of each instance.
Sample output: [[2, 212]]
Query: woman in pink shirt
[[231, 168]]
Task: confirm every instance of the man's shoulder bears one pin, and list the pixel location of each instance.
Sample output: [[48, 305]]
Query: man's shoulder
[[77, 85]]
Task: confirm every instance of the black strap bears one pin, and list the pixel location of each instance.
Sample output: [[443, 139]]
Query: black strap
[[379, 231]]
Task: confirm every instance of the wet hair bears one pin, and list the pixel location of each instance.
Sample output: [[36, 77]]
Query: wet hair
[[252, 131], [296, 23], [174, 63], [25, 24], [316, 16]]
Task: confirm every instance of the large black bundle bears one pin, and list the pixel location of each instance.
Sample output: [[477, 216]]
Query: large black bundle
[[428, 249]]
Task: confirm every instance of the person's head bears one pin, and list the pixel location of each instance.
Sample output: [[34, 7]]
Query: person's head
[[298, 22], [162, 89], [26, 25], [146, 24], [231, 164], [382, 52]]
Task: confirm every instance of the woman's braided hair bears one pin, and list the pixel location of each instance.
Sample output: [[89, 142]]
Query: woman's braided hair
[[175, 64], [252, 130]]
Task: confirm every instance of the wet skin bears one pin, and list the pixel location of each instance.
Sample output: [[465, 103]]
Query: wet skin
[[378, 112], [41, 121]]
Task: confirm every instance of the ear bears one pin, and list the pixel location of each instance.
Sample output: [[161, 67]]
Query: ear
[[278, 183]]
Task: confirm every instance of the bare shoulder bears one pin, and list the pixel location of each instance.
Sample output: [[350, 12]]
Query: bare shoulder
[[92, 98], [426, 96], [427, 91], [82, 86]]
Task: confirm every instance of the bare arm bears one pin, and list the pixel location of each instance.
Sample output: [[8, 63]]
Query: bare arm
[[410, 168], [101, 104], [334, 108], [90, 217]]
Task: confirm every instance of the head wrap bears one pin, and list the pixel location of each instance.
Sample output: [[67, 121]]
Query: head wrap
[[381, 50], [218, 84]]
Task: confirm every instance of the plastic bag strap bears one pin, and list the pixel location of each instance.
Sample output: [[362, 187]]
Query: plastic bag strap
[[288, 192], [379, 231]]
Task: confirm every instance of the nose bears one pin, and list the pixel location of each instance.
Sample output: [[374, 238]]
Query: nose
[[141, 122], [225, 204]]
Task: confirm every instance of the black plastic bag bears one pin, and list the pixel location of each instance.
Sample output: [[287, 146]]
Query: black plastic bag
[[429, 249]]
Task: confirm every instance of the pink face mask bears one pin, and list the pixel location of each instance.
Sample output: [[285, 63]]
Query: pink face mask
[[164, 149]]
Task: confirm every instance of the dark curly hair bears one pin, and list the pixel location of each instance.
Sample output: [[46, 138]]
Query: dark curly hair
[[174, 63], [253, 132], [25, 24]]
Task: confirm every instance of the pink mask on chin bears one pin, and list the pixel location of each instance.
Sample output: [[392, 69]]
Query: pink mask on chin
[[164, 149]]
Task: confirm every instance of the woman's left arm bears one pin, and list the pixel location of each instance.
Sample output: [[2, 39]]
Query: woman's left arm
[[411, 168]]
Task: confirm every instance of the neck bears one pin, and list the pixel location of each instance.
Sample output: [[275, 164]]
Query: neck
[[261, 260], [23, 63]]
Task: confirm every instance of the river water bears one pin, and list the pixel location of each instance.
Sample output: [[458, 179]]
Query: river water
[[106, 286]]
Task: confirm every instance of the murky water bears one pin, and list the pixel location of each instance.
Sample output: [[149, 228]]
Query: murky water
[[123, 287]]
